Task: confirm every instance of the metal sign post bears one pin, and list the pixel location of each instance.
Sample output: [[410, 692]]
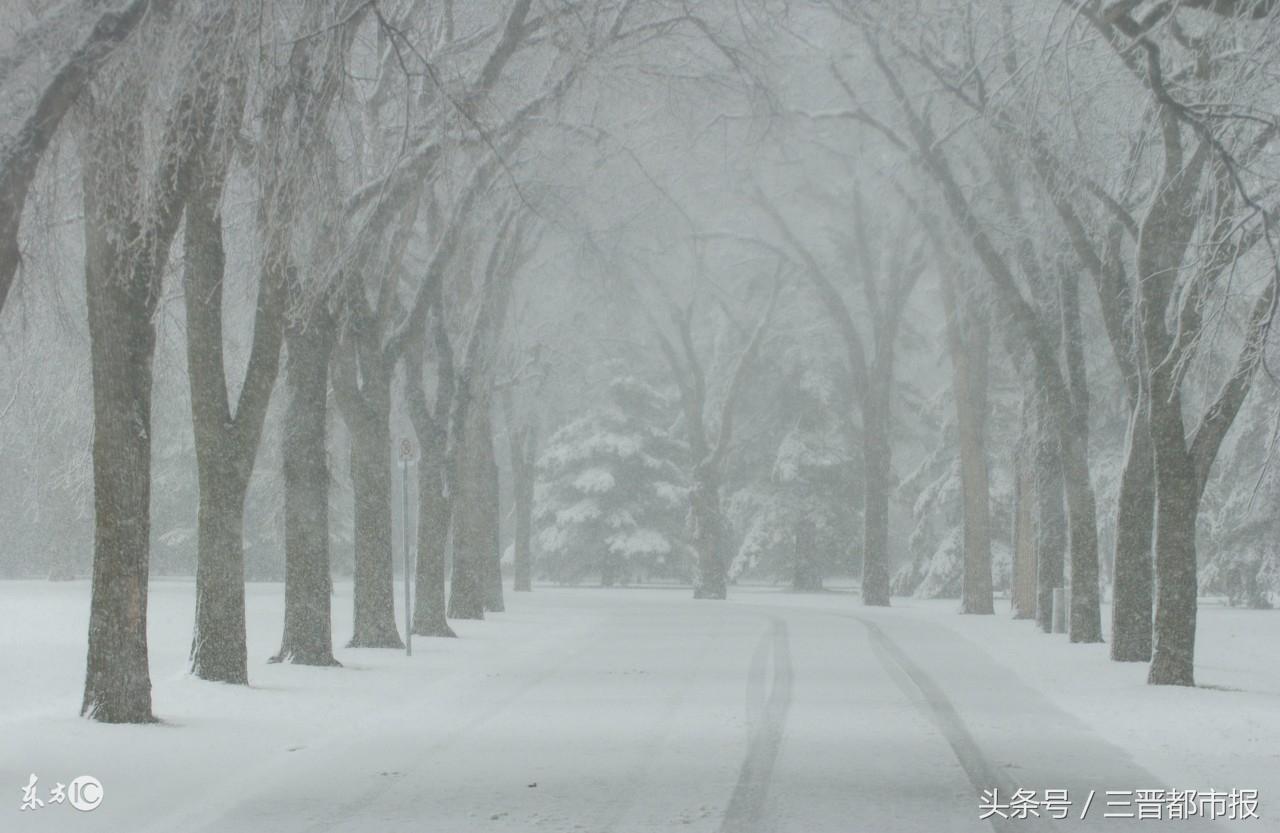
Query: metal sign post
[[406, 456]]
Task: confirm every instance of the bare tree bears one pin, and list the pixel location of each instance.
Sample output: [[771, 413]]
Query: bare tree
[[1200, 199], [1059, 382], [298, 147], [127, 240], [709, 435], [470, 467], [885, 289]]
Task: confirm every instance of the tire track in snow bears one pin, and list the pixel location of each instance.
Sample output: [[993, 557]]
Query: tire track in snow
[[745, 812], [921, 689]]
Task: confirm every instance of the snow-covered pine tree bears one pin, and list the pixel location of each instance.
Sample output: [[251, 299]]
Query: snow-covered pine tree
[[936, 542], [798, 525], [611, 496]]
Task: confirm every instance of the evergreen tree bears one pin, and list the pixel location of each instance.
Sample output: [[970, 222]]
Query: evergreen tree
[[611, 497], [798, 526]]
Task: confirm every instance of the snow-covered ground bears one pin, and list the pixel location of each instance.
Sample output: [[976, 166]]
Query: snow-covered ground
[[629, 710], [1223, 734]]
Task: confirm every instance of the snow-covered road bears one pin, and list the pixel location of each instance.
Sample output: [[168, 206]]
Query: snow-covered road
[[588, 710]]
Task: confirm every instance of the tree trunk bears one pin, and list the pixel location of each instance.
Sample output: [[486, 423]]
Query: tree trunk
[[875, 511], [1023, 592], [1082, 505], [1132, 579], [523, 468], [492, 517], [807, 578], [467, 582], [1177, 505], [711, 581], [969, 362], [374, 593], [435, 495], [1051, 532], [1082, 540], [308, 627], [218, 648], [433, 538], [126, 252], [977, 594], [121, 299]]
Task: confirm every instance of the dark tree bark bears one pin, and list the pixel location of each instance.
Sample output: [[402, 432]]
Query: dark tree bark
[[308, 627], [365, 402], [1051, 524], [218, 647], [127, 242], [1085, 622], [433, 538], [1177, 507], [467, 582], [491, 518], [435, 509], [362, 373], [1023, 595], [1182, 467], [226, 441], [1182, 461], [1133, 577], [121, 299], [296, 128]]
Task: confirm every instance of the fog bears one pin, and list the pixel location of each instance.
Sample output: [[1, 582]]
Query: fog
[[441, 415]]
